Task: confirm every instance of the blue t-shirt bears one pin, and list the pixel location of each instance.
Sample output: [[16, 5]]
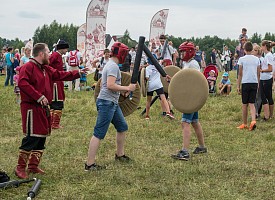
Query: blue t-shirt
[[25, 59], [223, 81], [198, 56], [8, 59], [83, 77]]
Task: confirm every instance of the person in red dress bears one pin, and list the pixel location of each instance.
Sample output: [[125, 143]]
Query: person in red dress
[[58, 86], [36, 80]]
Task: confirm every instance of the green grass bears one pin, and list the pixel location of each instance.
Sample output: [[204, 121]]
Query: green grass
[[240, 164]]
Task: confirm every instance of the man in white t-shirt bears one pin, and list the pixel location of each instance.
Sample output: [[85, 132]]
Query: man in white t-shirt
[[248, 78], [132, 52], [74, 60], [169, 58]]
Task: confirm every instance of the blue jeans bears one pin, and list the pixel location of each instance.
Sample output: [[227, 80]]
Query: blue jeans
[[190, 117], [108, 112], [9, 75]]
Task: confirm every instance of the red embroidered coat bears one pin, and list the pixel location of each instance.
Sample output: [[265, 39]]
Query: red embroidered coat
[[35, 82], [58, 86]]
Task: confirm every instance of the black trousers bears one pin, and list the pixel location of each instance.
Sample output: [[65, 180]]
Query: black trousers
[[266, 91], [30, 143], [57, 105]]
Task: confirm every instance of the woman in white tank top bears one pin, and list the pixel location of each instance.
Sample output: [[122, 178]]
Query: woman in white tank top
[[266, 80]]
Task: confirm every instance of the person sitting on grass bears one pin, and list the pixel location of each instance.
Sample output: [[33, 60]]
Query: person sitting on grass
[[155, 85], [225, 85], [249, 76]]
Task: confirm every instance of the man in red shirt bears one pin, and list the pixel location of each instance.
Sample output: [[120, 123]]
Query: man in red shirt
[[36, 80], [58, 86]]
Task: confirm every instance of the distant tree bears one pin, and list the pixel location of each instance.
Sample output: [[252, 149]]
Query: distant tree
[[207, 43], [256, 38], [269, 36], [16, 43], [50, 34], [126, 39], [176, 40]]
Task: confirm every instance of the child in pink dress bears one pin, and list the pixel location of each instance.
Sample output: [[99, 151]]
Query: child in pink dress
[[16, 88]]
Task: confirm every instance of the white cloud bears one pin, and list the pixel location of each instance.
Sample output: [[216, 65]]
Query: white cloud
[[30, 15]]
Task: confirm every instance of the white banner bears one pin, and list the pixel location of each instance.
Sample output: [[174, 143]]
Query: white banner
[[81, 39], [157, 26], [29, 45], [95, 30]]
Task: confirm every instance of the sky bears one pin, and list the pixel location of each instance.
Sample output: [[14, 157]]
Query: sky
[[186, 18]]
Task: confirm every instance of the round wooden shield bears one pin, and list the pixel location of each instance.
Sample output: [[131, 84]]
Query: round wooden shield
[[127, 104], [97, 89], [188, 90], [143, 82], [171, 70]]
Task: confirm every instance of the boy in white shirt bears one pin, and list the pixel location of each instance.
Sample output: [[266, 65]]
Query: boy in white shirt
[[155, 85], [187, 50], [249, 76]]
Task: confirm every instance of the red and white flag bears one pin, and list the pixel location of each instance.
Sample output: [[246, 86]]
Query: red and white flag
[[81, 39], [157, 27], [96, 16]]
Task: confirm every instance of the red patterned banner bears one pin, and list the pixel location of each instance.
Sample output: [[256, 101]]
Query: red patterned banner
[[81, 39], [95, 30], [157, 27]]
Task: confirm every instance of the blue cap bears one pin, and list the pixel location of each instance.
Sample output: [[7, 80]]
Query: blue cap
[[225, 74]]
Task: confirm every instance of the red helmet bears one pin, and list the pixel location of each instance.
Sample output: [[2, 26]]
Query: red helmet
[[189, 48], [120, 51]]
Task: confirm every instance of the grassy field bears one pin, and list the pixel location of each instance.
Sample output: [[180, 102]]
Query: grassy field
[[239, 165]]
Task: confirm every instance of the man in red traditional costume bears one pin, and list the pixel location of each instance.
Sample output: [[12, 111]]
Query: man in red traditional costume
[[36, 80], [58, 86]]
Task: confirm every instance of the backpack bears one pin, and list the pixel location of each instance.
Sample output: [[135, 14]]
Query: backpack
[[73, 60]]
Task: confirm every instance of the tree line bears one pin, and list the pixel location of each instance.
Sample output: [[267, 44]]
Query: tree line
[[50, 34]]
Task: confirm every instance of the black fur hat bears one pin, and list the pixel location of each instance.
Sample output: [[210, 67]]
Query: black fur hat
[[62, 45]]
